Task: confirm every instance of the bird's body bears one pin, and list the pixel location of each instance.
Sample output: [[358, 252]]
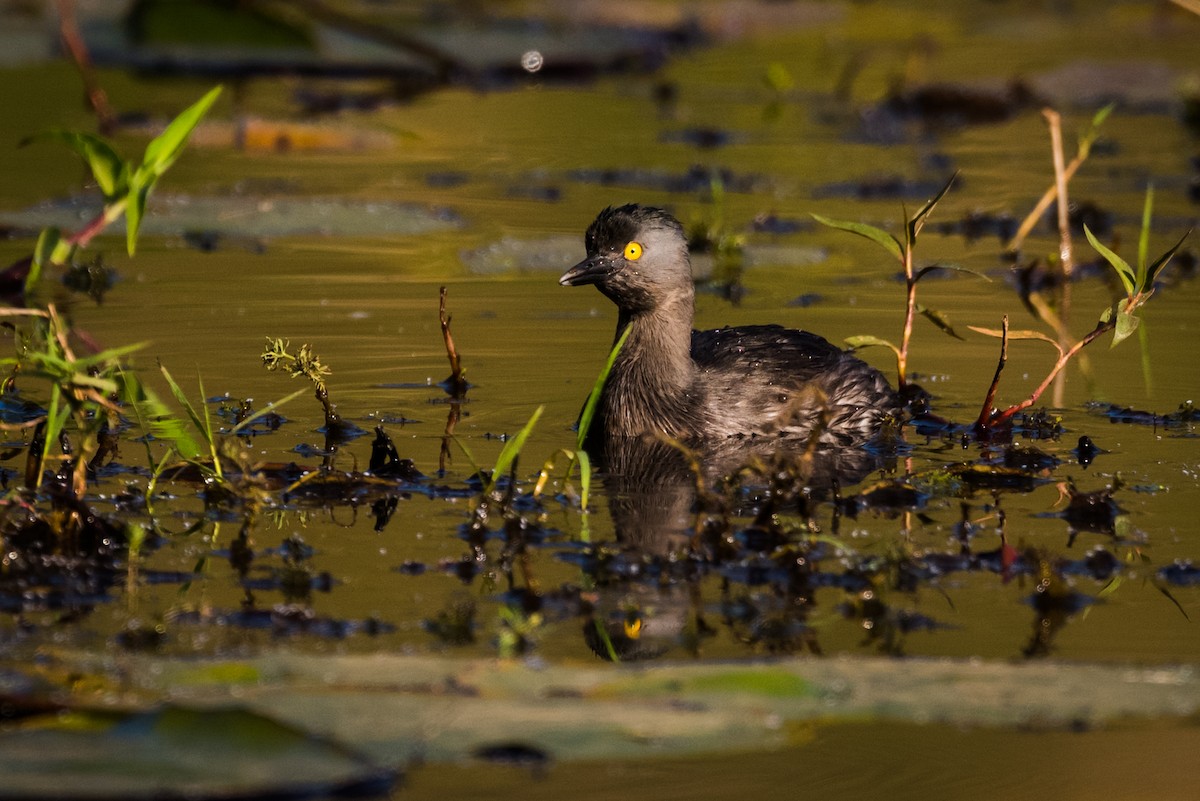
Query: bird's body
[[761, 380]]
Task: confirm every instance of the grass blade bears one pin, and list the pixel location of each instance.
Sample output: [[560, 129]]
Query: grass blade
[[135, 209], [56, 417], [47, 243], [182, 399], [1089, 138], [1144, 238], [155, 418], [589, 408], [512, 449], [270, 407], [585, 478]]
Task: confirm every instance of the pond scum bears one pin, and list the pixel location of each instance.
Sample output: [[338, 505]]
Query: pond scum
[[773, 521]]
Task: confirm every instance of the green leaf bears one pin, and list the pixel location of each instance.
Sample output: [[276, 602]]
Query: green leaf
[[868, 341], [512, 449], [43, 252], [56, 418], [589, 407], [917, 222], [877, 235], [47, 242], [778, 78], [105, 386], [160, 154], [1093, 132], [1120, 265], [107, 357], [940, 319], [165, 148], [1126, 325], [1018, 334], [109, 169], [585, 477], [1162, 261], [1101, 116], [135, 209], [154, 417], [921, 273]]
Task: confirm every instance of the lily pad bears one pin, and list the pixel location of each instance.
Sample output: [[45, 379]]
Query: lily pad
[[179, 752]]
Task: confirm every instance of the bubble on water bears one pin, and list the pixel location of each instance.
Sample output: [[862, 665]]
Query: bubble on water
[[531, 61]]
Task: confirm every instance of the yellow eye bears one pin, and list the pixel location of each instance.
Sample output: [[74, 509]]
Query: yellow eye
[[633, 251]]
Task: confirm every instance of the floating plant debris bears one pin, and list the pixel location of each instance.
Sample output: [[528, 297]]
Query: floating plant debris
[[1181, 574]]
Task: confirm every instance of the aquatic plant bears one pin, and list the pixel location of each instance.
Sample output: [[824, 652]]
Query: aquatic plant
[[83, 391], [578, 455], [126, 185], [912, 276], [1121, 318], [304, 363], [1063, 174], [86, 390], [712, 234], [456, 383]]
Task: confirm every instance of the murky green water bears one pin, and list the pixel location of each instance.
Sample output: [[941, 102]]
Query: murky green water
[[515, 172]]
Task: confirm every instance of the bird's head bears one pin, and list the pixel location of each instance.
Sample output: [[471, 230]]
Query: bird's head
[[637, 256]]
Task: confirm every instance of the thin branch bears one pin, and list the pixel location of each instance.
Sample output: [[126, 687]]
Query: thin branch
[[1044, 202], [447, 64], [457, 384], [68, 29], [1060, 189]]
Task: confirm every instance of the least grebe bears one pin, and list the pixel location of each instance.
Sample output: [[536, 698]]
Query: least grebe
[[701, 385]]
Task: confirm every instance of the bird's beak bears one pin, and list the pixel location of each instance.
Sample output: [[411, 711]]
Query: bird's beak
[[589, 271]]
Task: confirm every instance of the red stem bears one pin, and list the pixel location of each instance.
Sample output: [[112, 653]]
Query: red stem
[[87, 233], [909, 311], [996, 418]]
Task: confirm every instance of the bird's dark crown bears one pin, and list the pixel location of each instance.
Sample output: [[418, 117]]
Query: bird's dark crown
[[615, 227]]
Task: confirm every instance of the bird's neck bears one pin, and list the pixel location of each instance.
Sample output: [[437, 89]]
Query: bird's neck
[[650, 388], [659, 348]]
